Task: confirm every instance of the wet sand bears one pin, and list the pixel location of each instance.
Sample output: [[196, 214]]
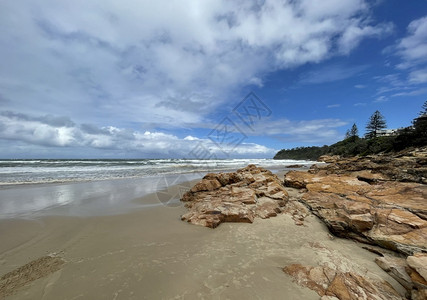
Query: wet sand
[[151, 254]]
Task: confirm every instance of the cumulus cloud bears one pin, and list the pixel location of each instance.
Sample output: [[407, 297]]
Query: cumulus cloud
[[165, 62], [355, 33], [62, 133], [413, 47]]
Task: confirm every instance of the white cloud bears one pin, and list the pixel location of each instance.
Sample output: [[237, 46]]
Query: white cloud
[[61, 135], [411, 51], [357, 31], [164, 62], [381, 99], [321, 131], [360, 86], [411, 93], [49, 132], [418, 76], [331, 73], [333, 105], [394, 82], [413, 47]]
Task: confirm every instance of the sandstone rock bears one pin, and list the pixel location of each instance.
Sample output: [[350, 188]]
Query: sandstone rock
[[419, 262], [396, 267], [297, 179], [342, 285], [406, 272], [408, 166], [389, 214], [419, 294], [369, 177], [328, 158], [206, 185], [328, 298], [234, 197]]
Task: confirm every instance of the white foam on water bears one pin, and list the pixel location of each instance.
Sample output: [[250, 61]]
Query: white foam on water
[[48, 171]]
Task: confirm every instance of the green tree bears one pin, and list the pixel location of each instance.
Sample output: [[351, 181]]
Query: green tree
[[416, 135], [420, 129], [354, 131], [347, 134], [424, 109], [376, 122]]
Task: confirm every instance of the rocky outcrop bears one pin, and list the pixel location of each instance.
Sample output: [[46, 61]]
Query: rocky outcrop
[[235, 197], [406, 166], [379, 200], [411, 272], [338, 276], [389, 214], [333, 284]]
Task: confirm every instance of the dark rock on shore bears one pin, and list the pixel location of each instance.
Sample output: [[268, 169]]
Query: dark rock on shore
[[296, 166]]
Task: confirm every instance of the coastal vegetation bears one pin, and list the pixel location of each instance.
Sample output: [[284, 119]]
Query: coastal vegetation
[[376, 140]]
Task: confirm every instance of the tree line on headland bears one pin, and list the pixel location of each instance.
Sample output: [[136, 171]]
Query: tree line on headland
[[376, 140]]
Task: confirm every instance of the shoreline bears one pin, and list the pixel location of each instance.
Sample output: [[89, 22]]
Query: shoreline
[[153, 254], [35, 200], [150, 253], [83, 199]]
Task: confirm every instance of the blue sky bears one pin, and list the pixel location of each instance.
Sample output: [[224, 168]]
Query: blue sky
[[144, 79]]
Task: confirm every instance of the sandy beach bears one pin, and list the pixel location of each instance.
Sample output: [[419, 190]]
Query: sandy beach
[[151, 254]]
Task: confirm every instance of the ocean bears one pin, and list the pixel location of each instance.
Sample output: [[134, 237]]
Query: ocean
[[33, 171], [97, 187]]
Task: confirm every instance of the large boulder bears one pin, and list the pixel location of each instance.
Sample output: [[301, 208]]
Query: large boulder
[[389, 214], [235, 197]]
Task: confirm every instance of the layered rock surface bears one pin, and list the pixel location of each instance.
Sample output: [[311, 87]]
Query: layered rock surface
[[339, 277], [411, 272], [406, 166], [380, 200], [377, 200], [235, 197], [389, 214], [333, 284]]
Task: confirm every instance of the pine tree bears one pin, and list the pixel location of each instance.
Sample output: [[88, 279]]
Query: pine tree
[[420, 127], [354, 131], [424, 109], [347, 134], [376, 122]]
